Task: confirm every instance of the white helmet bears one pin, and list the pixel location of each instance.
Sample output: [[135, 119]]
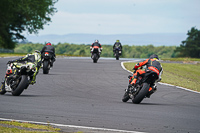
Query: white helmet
[[96, 41], [37, 55]]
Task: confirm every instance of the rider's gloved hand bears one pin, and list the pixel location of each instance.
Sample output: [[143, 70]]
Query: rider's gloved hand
[[135, 71], [130, 85], [9, 62], [129, 76]]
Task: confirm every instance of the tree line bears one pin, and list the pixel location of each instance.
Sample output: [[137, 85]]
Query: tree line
[[84, 50], [188, 48]]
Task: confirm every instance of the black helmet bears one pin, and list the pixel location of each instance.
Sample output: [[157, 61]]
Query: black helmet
[[153, 56]]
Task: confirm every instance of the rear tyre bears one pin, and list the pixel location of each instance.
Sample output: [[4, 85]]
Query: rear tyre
[[142, 93], [21, 86], [125, 97], [45, 67], [95, 58], [2, 89], [117, 55]]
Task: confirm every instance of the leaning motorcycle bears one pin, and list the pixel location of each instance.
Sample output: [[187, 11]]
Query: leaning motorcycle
[[17, 78], [46, 60], [95, 51], [117, 53], [143, 88]]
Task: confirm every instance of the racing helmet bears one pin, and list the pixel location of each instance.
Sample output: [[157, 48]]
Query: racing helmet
[[96, 41], [37, 54], [117, 40], [153, 56], [48, 43]]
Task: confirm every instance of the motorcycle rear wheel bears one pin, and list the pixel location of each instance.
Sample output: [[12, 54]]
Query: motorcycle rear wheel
[[45, 67], [117, 55], [21, 86], [95, 58], [142, 93]]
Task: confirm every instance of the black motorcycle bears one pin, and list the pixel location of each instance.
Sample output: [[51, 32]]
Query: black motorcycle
[[17, 78], [95, 54], [117, 52], [46, 60], [143, 88]]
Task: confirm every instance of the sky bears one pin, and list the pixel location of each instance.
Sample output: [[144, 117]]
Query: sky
[[123, 17]]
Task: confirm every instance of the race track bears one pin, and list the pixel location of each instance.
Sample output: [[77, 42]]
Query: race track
[[79, 92]]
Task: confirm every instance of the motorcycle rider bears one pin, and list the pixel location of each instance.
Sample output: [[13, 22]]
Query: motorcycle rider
[[96, 44], [152, 64], [49, 48], [35, 58], [116, 45]]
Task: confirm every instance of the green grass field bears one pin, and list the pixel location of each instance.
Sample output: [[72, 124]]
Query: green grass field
[[19, 127], [11, 54], [179, 74]]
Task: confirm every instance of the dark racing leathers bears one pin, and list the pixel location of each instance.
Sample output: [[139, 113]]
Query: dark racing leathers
[[116, 45], [151, 65], [51, 50]]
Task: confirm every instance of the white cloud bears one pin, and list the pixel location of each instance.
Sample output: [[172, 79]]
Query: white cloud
[[124, 16]]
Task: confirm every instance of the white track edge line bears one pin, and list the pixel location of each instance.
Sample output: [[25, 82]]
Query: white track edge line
[[122, 65], [72, 126]]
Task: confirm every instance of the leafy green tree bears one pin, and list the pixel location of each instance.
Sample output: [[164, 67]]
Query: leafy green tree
[[20, 15], [84, 50], [28, 48], [191, 46]]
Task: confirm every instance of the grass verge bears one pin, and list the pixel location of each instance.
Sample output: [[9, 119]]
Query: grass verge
[[18, 127], [182, 59], [11, 54], [179, 74]]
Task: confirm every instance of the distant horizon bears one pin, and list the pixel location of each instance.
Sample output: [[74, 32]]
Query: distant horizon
[[156, 39], [26, 35]]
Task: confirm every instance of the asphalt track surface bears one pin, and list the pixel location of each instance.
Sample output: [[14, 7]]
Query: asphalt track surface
[[79, 92]]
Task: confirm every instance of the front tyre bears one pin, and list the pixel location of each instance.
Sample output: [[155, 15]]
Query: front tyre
[[141, 94], [21, 86], [45, 67], [2, 89], [125, 97]]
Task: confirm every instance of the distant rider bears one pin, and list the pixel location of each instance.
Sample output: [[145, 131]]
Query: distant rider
[[49, 48], [34, 58], [152, 64], [116, 45], [96, 44]]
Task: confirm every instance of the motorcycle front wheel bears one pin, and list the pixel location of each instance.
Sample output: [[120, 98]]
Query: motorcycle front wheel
[[2, 89], [125, 97], [22, 84]]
